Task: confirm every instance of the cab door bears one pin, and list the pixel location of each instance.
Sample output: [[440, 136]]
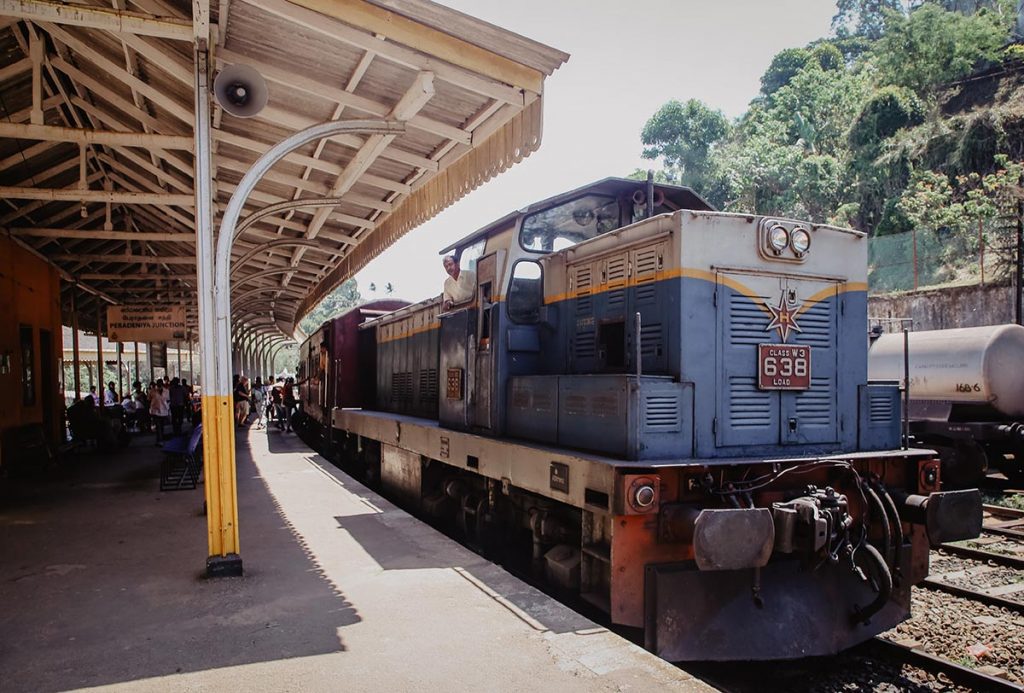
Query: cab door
[[482, 363]]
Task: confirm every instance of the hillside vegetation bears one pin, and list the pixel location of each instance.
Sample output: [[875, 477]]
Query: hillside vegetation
[[908, 121]]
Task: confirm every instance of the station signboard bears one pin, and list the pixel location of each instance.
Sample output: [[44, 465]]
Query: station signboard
[[146, 323]]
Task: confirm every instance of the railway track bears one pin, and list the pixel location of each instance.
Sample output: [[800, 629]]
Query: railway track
[[880, 664], [957, 674]]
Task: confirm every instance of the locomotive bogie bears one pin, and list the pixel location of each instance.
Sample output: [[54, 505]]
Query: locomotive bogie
[[626, 529]]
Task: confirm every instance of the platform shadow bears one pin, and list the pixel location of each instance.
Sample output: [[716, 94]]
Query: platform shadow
[[398, 541], [102, 580]]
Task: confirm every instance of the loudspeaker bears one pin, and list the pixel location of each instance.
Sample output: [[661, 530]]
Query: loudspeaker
[[240, 90]]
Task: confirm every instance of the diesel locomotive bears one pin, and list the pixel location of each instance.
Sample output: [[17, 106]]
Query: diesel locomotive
[[966, 395], [659, 408]]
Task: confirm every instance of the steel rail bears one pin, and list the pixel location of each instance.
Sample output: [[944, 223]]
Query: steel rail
[[980, 555], [958, 674], [1002, 510], [974, 595]]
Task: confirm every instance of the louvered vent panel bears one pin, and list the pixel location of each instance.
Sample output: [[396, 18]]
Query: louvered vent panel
[[662, 413], [747, 321], [428, 384], [816, 325], [584, 281], [881, 409], [650, 339], [401, 386], [646, 292], [582, 285], [616, 271], [646, 264], [748, 406], [816, 406], [585, 345], [616, 298]]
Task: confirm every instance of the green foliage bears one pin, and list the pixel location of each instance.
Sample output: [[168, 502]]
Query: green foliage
[[863, 18], [685, 136], [980, 144], [850, 129], [887, 111], [334, 304], [828, 56], [660, 176], [783, 68], [933, 46]]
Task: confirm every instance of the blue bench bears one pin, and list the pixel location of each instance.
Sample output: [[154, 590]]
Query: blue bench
[[183, 462]]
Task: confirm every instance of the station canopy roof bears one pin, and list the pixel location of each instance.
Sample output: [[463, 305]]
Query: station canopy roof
[[96, 168]]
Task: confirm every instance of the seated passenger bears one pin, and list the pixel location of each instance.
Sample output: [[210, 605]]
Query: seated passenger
[[459, 287]]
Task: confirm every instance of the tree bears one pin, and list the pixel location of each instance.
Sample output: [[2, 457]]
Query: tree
[[933, 46], [886, 112], [685, 136], [866, 18], [334, 304], [783, 68]]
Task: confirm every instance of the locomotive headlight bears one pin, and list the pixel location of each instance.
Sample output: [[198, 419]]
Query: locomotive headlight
[[644, 496], [778, 238], [639, 494], [801, 241]]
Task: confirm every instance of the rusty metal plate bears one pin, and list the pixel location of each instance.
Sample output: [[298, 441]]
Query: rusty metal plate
[[783, 366], [713, 616], [453, 389]]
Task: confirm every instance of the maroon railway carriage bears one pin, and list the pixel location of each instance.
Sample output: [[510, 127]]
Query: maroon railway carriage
[[333, 371]]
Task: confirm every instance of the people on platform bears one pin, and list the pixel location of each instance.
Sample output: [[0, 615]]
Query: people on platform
[[277, 401], [288, 395], [259, 401], [88, 425], [459, 286], [110, 396], [242, 395], [141, 407], [159, 409], [177, 397]]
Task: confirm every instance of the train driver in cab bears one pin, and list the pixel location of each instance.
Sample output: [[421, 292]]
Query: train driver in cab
[[460, 285]]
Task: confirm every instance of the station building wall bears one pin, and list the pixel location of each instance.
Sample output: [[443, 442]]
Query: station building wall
[[30, 345]]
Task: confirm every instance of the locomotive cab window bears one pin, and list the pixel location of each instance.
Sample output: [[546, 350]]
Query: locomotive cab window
[[569, 223], [525, 292]]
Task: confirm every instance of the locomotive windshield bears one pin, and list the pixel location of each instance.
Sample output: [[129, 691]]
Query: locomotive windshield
[[569, 223]]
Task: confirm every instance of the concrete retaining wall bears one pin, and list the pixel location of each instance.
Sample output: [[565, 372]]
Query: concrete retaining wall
[[959, 306]]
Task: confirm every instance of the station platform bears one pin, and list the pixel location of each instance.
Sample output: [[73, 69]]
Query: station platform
[[101, 585]]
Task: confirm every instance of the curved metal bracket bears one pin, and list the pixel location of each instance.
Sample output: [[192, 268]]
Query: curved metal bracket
[[270, 245], [229, 222]]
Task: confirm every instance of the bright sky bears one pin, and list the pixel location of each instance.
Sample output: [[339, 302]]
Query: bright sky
[[626, 60]]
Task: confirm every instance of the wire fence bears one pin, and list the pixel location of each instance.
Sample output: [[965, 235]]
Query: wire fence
[[983, 253]]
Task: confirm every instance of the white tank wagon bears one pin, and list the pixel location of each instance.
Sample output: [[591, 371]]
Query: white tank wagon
[[966, 394]]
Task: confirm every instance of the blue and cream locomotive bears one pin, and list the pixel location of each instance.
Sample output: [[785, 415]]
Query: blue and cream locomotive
[[666, 410]]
